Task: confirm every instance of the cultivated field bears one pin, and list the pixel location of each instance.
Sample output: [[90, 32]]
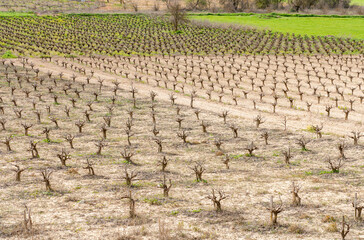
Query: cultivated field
[[127, 129], [143, 35]]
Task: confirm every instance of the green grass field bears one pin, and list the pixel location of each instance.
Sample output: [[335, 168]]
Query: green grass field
[[15, 14], [358, 2], [318, 26]]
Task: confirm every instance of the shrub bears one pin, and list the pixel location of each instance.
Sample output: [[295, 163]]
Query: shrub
[[333, 3], [332, 227], [8, 54], [294, 228], [267, 3]]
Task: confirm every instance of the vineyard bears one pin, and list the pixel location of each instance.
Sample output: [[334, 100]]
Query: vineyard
[[142, 35], [119, 127]]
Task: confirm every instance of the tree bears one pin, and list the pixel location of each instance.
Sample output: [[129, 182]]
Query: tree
[[193, 4], [333, 3], [178, 15], [298, 5], [267, 3], [234, 5]]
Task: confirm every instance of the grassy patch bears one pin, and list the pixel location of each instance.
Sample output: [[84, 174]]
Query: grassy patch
[[318, 26], [174, 213], [357, 2], [197, 210], [327, 172], [52, 141], [310, 129], [323, 172], [236, 156], [203, 181], [15, 14], [8, 54], [276, 154], [152, 201]]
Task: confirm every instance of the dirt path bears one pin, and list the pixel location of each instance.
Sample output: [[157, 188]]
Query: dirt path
[[297, 120]]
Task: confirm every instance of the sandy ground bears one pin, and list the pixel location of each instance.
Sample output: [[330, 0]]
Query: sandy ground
[[47, 6], [90, 207], [298, 116]]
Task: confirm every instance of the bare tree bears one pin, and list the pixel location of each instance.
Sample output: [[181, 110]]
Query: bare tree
[[284, 122], [216, 199], [356, 136], [193, 4], [64, 156], [28, 222], [55, 121], [251, 148], [235, 129], [183, 135], [204, 126], [344, 229], [298, 5], [18, 172], [46, 131], [7, 142], [258, 120], [198, 168], [296, 200], [69, 138], [89, 167], [224, 115], [134, 5], [173, 98], [317, 129], [2, 122], [107, 120], [155, 131], [33, 149], [358, 207], [234, 5], [127, 154], [131, 204], [158, 141], [80, 125], [265, 136], [302, 142], [46, 178], [100, 145], [218, 143], [275, 209], [178, 15], [335, 165], [165, 186], [129, 177], [129, 134], [163, 163], [287, 155], [26, 127], [226, 161], [103, 130], [341, 147]]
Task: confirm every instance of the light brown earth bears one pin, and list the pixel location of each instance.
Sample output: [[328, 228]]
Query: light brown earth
[[86, 207]]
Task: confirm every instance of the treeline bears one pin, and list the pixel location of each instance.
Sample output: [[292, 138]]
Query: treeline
[[292, 5]]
